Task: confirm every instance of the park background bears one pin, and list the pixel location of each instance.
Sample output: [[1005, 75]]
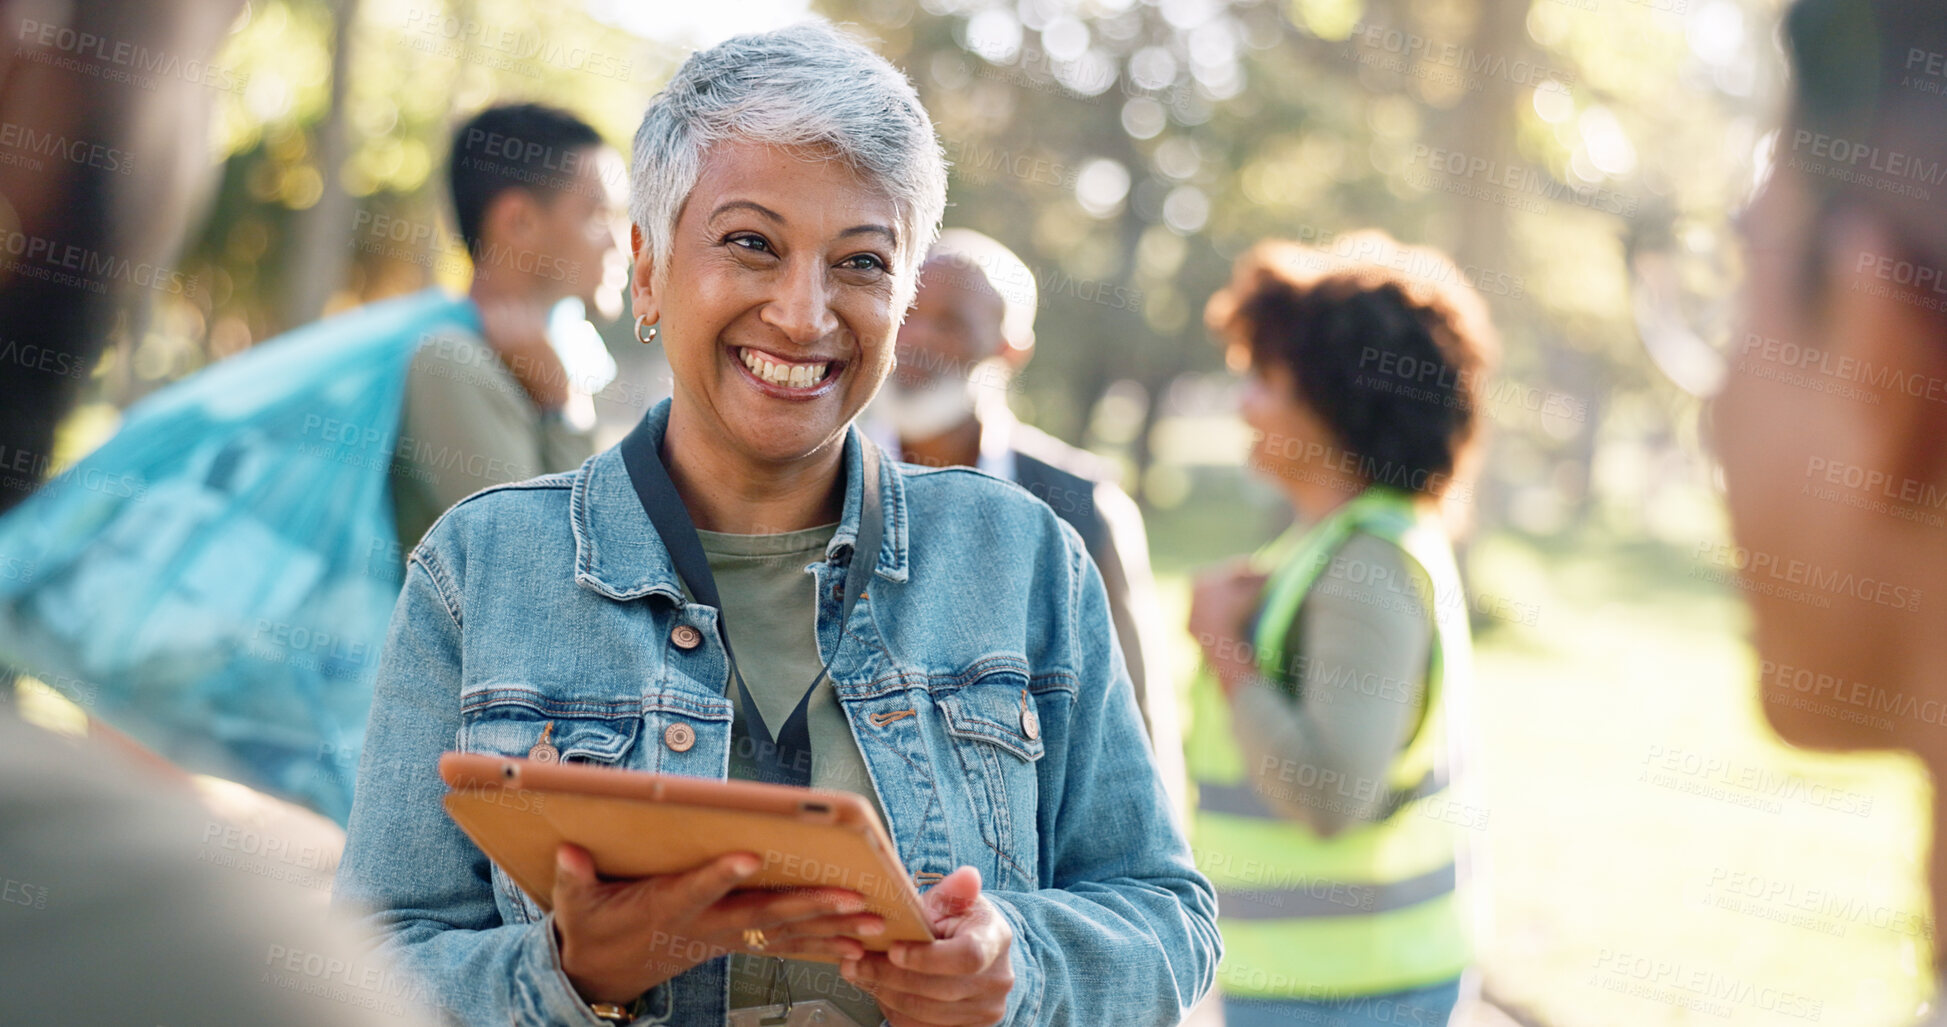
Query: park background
[[1653, 854]]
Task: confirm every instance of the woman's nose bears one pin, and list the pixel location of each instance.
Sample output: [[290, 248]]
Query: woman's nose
[[801, 309]]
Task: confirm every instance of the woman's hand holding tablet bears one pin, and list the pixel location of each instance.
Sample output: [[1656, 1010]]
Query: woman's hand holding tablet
[[649, 874], [618, 939]]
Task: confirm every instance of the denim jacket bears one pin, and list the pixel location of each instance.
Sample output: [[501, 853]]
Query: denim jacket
[[980, 674]]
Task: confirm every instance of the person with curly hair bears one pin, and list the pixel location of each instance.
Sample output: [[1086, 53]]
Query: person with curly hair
[[1321, 736]]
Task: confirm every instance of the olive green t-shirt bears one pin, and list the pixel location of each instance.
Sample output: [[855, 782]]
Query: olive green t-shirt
[[467, 424], [770, 613]]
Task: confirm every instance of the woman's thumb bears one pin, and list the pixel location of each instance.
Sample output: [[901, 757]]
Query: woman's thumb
[[954, 895]]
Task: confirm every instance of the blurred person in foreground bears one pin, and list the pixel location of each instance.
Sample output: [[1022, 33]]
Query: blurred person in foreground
[[1322, 735], [785, 188], [114, 905], [1834, 491], [969, 333]]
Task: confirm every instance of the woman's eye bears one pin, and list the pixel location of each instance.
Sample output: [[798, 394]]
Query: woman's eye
[[863, 262], [754, 243]]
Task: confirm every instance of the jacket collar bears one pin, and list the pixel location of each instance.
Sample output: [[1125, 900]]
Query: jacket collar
[[618, 553]]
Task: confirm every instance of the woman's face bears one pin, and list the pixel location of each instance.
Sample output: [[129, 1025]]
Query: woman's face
[[1290, 441], [778, 310]]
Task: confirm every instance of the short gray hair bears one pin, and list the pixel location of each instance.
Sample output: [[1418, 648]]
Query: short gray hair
[[806, 85]]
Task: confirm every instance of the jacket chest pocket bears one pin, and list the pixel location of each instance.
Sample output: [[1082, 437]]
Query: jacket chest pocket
[[996, 735], [549, 732]]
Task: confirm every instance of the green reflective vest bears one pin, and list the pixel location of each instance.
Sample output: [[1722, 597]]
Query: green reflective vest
[[1372, 909]]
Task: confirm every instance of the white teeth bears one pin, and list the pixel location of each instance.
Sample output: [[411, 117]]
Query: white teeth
[[790, 376]]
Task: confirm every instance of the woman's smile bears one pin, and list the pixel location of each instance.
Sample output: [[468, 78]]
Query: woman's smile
[[782, 378]]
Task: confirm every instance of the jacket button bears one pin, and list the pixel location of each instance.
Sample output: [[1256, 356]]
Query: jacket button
[[679, 737], [1030, 725], [686, 637]]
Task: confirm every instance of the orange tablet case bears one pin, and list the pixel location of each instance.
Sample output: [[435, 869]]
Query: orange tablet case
[[636, 824]]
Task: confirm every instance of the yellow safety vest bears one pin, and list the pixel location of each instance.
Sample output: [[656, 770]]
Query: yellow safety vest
[[1372, 909]]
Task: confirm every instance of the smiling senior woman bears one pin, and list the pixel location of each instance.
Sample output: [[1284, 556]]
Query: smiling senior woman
[[786, 186]]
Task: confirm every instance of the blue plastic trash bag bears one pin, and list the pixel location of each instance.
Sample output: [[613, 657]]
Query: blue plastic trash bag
[[216, 579]]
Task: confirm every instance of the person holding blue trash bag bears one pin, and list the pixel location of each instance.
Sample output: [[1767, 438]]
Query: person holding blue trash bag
[[216, 578]]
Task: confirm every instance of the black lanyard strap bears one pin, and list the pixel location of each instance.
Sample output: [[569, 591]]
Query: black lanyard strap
[[786, 757]]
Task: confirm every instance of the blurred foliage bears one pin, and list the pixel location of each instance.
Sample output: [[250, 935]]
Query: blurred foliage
[[1129, 151]]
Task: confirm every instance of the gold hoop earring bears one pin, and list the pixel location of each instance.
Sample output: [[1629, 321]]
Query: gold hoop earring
[[645, 332]]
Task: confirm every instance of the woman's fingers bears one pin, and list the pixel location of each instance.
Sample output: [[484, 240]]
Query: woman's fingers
[[816, 928], [825, 947], [875, 973], [690, 894], [765, 908]]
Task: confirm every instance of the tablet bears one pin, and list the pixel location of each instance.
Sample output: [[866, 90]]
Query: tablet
[[638, 824]]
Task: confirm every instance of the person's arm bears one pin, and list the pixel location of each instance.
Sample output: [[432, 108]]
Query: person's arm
[[424, 886], [1126, 923], [1321, 758]]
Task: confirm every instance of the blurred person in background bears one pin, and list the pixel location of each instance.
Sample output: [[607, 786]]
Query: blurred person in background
[[124, 900], [968, 334], [1845, 256], [1322, 737], [540, 202]]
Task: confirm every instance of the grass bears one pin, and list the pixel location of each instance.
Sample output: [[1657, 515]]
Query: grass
[[1653, 854]]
